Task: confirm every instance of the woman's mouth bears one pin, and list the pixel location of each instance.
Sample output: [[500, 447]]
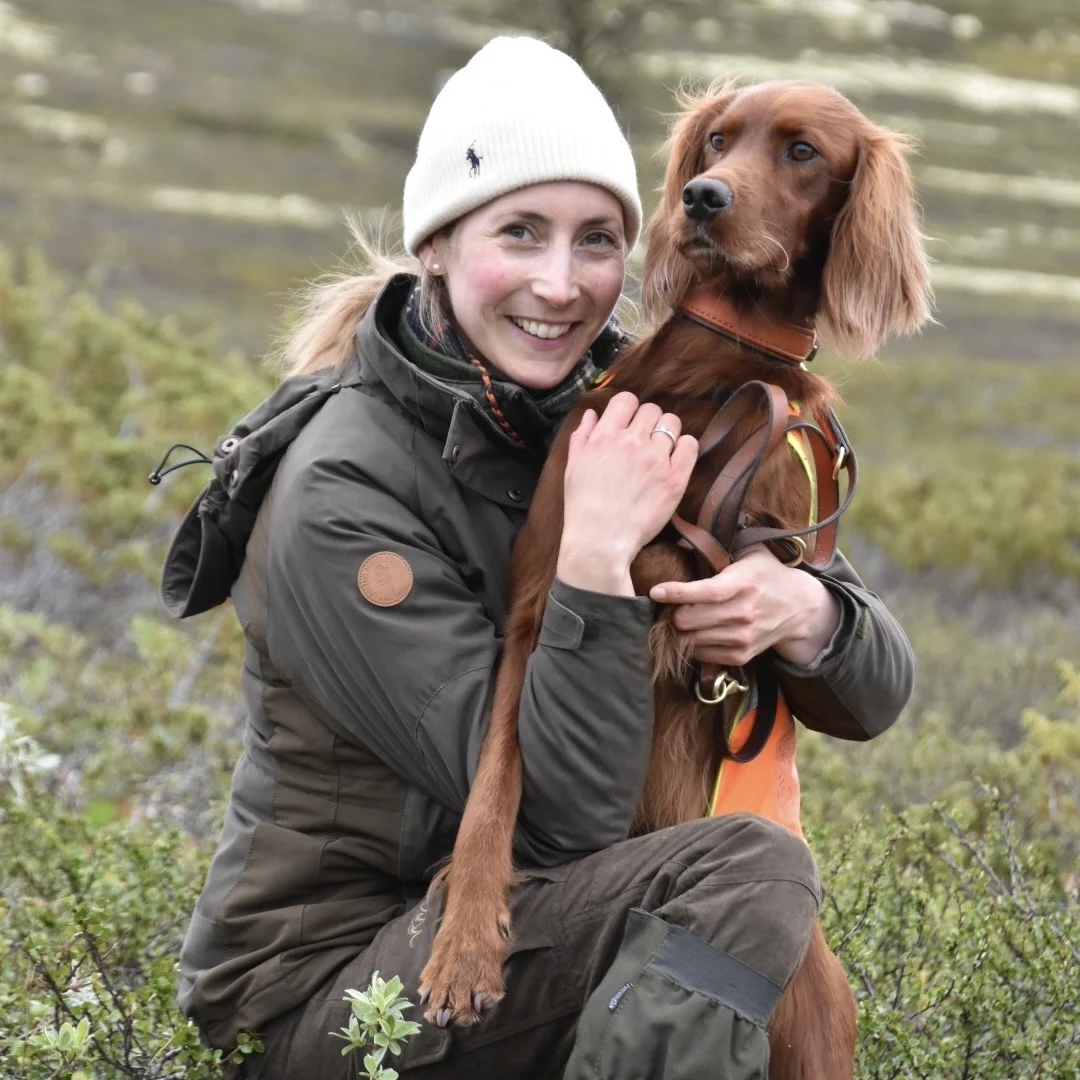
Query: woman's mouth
[[545, 331]]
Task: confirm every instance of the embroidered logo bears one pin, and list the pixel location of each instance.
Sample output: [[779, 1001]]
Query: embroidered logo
[[416, 923], [619, 994], [385, 579], [474, 159]]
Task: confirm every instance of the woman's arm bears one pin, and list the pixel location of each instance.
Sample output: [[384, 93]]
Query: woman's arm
[[858, 686], [845, 664], [413, 680]]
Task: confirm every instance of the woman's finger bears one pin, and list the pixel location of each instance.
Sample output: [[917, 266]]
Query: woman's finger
[[710, 590], [619, 411], [646, 419], [714, 654], [683, 459], [586, 424], [666, 432], [708, 617]]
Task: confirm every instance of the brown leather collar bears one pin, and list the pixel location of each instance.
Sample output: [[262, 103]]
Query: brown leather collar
[[783, 340]]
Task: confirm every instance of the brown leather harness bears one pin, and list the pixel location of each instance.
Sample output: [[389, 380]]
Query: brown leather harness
[[722, 528]]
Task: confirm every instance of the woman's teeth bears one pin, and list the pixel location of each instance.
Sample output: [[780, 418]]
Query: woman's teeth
[[542, 329]]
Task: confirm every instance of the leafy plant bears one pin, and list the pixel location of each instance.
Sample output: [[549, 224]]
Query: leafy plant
[[377, 1026]]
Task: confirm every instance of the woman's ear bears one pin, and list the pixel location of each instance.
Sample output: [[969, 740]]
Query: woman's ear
[[876, 280], [430, 256], [667, 274]]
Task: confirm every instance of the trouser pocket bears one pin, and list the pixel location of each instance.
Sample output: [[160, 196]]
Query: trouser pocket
[[673, 1006]]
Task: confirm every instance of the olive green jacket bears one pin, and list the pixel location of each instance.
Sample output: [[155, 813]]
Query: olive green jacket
[[365, 719]]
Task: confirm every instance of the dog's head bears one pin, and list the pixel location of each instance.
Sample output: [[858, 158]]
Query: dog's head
[[786, 192]]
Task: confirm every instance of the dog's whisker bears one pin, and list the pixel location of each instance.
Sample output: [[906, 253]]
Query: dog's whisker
[[787, 257]]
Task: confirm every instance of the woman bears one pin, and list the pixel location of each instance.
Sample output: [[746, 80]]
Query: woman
[[372, 592]]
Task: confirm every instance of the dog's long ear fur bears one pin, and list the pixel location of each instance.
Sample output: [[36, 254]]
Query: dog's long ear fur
[[667, 274], [876, 280]]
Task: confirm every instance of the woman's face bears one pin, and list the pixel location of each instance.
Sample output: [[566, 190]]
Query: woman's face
[[533, 276]]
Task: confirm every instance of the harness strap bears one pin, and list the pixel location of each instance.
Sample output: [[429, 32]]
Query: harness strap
[[768, 691], [721, 531], [828, 463]]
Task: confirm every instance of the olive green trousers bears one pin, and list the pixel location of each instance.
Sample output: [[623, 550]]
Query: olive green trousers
[[660, 957]]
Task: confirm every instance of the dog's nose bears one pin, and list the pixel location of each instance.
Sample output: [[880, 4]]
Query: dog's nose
[[704, 199]]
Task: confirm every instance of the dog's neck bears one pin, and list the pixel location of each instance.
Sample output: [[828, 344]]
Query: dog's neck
[[778, 338], [700, 361]]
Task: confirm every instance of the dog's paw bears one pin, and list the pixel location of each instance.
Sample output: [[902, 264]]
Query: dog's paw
[[464, 976]]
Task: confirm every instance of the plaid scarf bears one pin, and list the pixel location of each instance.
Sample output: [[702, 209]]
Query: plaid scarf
[[532, 417]]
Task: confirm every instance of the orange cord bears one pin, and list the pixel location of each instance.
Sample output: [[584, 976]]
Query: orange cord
[[489, 393]]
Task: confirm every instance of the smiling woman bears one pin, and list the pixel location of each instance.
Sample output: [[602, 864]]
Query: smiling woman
[[382, 489]]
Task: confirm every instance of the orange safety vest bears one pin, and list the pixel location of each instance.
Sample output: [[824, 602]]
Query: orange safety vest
[[767, 785]]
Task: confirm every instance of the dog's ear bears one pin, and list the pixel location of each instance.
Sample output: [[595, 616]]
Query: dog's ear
[[876, 280], [667, 275]]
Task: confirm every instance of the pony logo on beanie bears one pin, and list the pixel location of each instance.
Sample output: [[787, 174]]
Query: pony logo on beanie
[[474, 159]]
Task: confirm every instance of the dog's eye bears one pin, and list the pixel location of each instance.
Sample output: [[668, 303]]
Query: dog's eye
[[716, 141], [802, 151]]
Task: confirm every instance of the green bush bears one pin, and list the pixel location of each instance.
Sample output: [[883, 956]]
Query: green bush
[[931, 760], [93, 916], [961, 944], [957, 923]]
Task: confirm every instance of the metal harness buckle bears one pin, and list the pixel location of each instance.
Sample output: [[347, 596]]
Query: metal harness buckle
[[723, 686], [841, 454]]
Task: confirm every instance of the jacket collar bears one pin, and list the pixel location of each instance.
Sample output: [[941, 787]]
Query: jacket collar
[[474, 451]]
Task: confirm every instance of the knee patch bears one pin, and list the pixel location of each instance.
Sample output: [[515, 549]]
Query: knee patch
[[673, 1005]]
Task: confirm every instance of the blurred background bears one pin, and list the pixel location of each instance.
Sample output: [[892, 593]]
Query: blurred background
[[172, 170]]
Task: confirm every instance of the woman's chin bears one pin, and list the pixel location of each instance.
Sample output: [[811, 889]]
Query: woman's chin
[[538, 373]]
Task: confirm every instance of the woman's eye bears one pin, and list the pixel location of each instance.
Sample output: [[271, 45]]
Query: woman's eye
[[517, 232], [802, 151], [599, 239], [716, 141]]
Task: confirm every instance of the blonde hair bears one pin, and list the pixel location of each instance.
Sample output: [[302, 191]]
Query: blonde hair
[[330, 307]]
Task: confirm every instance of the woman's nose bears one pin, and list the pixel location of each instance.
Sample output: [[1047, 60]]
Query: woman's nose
[[557, 282]]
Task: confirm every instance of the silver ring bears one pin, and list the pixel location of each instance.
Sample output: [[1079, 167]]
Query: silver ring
[[664, 431]]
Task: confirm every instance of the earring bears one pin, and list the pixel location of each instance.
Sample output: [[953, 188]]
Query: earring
[[435, 268]]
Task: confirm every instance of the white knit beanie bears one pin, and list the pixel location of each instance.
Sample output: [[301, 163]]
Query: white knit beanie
[[518, 113]]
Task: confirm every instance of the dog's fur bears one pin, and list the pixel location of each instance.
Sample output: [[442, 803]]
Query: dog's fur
[[833, 241]]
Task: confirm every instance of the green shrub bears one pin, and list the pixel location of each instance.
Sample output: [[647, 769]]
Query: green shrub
[[93, 916], [961, 944], [958, 925]]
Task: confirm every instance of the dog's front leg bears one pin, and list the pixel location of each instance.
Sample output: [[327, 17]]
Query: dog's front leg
[[464, 975]]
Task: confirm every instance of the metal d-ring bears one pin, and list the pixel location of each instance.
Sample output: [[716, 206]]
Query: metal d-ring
[[723, 686], [841, 454], [802, 551]]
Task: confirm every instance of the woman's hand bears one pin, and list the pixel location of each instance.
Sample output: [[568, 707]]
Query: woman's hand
[[624, 480], [754, 604]]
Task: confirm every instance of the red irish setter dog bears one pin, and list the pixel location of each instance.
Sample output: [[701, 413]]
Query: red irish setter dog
[[787, 201]]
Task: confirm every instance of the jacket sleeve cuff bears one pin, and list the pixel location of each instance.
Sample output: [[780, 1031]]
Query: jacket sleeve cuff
[[863, 681], [574, 616], [838, 646]]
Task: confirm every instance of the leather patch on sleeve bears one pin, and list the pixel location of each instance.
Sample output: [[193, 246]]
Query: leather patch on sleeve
[[385, 579]]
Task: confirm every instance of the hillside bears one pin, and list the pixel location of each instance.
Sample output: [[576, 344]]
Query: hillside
[[169, 173]]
